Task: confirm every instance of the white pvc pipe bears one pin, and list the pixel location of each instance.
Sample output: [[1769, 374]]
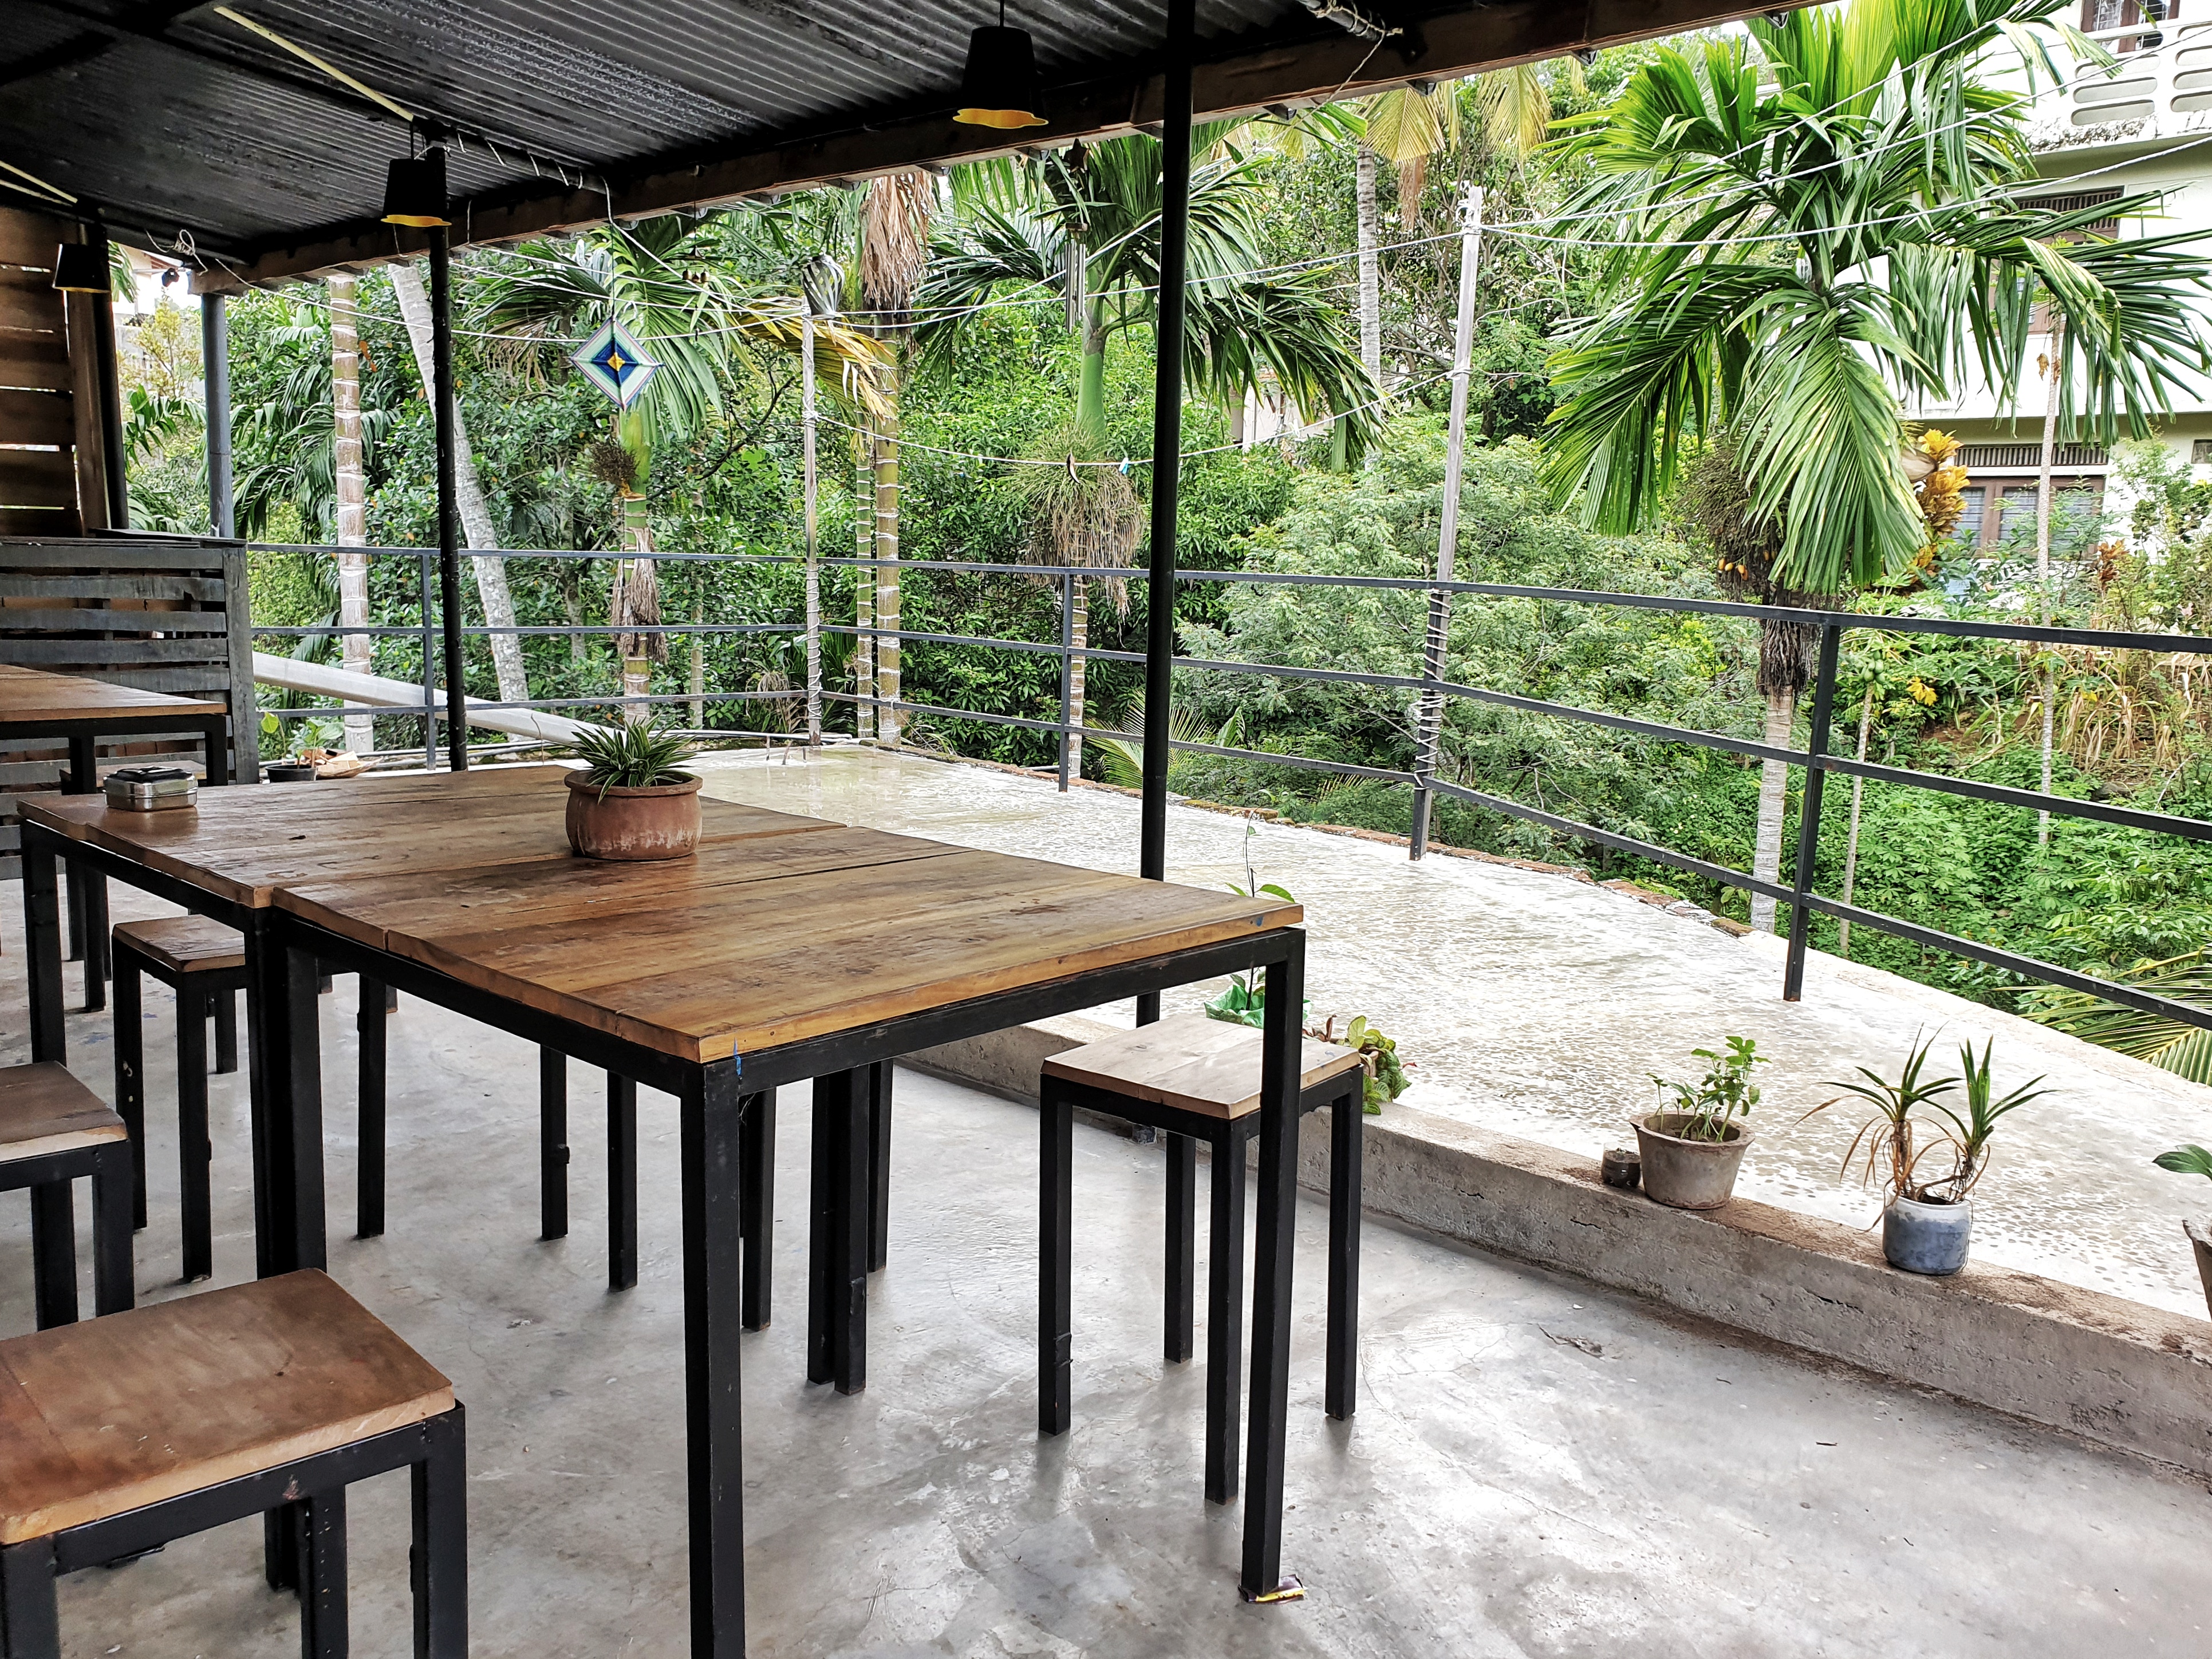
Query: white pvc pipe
[[323, 681]]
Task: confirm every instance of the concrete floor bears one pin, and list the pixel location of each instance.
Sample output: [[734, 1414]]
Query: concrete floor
[[1537, 1468], [1540, 1006]]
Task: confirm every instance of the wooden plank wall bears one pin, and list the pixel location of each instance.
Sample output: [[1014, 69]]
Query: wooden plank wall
[[162, 613], [52, 477]]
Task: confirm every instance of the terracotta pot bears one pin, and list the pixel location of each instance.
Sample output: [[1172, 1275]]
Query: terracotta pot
[[633, 825], [1688, 1174], [2200, 1234]]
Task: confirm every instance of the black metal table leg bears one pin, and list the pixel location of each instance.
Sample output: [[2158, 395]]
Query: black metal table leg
[[99, 942], [879, 1165], [1224, 1312], [131, 1073], [756, 1210], [1347, 1134], [1055, 1258], [193, 1148], [43, 947], [73, 901], [1181, 1242], [1262, 1570], [30, 1602], [622, 1182], [837, 1271], [713, 1273], [368, 1167], [225, 1002], [552, 1144], [53, 1253]]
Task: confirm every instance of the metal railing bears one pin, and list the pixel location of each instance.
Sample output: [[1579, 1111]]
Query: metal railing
[[1798, 893]]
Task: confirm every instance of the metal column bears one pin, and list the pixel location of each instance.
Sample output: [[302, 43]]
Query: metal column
[[449, 518], [214, 370]]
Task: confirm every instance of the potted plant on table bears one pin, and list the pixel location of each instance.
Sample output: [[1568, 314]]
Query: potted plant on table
[[1690, 1152], [2194, 1160], [631, 801]]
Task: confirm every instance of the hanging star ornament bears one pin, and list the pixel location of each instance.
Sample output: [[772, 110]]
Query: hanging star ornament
[[613, 362]]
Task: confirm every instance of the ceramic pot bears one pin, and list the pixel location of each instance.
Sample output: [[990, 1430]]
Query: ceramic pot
[[633, 825], [2200, 1234], [1688, 1174], [1929, 1238]]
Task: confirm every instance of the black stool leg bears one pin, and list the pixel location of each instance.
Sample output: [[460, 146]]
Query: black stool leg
[[53, 1253], [552, 1144], [114, 1286], [438, 1564], [323, 1576], [30, 1611], [622, 1182], [368, 1171], [280, 1546], [131, 1073], [193, 1148], [1225, 1316], [1346, 1135], [1182, 1254], [1055, 1258], [98, 940], [73, 907], [837, 1266], [225, 1029], [756, 1207], [879, 1165]]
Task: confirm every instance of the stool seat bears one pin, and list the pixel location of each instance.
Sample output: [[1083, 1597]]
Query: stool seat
[[44, 1108], [108, 1416], [187, 944], [1194, 1063]]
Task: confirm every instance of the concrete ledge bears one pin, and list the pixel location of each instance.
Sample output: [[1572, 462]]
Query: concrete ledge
[[2112, 1371]]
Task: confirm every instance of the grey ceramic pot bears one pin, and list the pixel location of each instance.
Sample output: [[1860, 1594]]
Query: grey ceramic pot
[[1929, 1238], [2200, 1234]]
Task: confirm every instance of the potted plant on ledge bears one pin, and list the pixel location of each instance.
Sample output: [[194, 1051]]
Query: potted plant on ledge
[[1691, 1153], [2194, 1160], [632, 802]]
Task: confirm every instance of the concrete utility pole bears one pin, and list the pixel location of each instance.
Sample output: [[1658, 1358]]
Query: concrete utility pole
[[813, 565], [352, 483], [1429, 724]]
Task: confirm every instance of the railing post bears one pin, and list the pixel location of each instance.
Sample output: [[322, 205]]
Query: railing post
[[1808, 814], [429, 669], [1067, 671]]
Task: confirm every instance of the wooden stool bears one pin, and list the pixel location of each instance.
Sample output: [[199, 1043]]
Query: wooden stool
[[53, 1129], [122, 1434], [1197, 1079], [203, 962]]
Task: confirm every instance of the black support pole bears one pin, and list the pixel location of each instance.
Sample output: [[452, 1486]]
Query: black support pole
[[449, 520], [111, 394], [215, 360], [1809, 816], [1167, 451]]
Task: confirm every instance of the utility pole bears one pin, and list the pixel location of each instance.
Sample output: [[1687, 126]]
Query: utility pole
[[2049, 685], [1429, 723], [813, 564]]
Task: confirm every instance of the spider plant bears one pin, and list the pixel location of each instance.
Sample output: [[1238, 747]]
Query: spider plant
[[631, 757], [1884, 1143], [1970, 1135]]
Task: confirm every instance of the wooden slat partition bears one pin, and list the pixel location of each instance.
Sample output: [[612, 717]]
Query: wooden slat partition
[[52, 479], [166, 613]]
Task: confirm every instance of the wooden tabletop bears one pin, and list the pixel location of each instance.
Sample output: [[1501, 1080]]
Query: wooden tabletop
[[242, 844], [767, 942], [33, 697]]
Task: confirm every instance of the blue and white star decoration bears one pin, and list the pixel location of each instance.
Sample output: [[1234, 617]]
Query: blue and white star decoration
[[613, 362]]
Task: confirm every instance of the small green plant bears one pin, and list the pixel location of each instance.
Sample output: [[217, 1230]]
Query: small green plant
[[1244, 1001], [1970, 1136], [631, 757], [2186, 1161], [1386, 1078], [1725, 1092], [1885, 1142]]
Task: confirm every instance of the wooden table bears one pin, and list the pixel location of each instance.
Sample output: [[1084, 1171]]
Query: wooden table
[[780, 956], [35, 704]]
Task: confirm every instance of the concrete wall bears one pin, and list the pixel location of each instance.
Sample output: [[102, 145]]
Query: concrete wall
[[2116, 1371]]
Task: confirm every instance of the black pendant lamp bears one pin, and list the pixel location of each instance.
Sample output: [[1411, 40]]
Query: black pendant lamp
[[81, 267], [415, 190], [1000, 87]]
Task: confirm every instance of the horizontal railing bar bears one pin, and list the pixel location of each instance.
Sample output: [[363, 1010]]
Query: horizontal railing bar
[[415, 632]]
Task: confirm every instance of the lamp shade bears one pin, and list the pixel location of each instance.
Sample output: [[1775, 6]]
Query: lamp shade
[[415, 190], [81, 267], [1000, 87]]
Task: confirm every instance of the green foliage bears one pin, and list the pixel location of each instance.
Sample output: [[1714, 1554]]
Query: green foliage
[[1970, 1134], [2169, 1044], [631, 757], [1886, 1142], [1724, 1092], [1387, 1079], [2186, 1161]]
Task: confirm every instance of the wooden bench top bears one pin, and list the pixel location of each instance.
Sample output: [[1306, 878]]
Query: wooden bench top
[[44, 1108], [31, 696], [1202, 1065], [702, 968], [110, 1415], [187, 944], [242, 844]]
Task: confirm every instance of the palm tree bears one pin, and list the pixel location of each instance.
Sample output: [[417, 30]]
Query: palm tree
[[1807, 223], [665, 279], [894, 255]]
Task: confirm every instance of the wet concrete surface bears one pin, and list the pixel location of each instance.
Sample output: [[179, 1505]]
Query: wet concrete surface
[[1537, 1468], [1541, 1005]]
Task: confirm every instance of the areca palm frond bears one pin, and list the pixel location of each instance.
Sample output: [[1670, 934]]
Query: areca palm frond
[[2167, 1042], [1406, 127], [1807, 224], [286, 442]]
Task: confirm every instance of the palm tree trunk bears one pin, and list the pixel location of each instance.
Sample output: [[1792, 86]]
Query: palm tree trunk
[[1370, 273], [698, 676], [1079, 637], [864, 585], [475, 511], [1091, 382], [888, 720], [631, 604], [360, 649], [2043, 553], [1773, 799], [1851, 841]]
